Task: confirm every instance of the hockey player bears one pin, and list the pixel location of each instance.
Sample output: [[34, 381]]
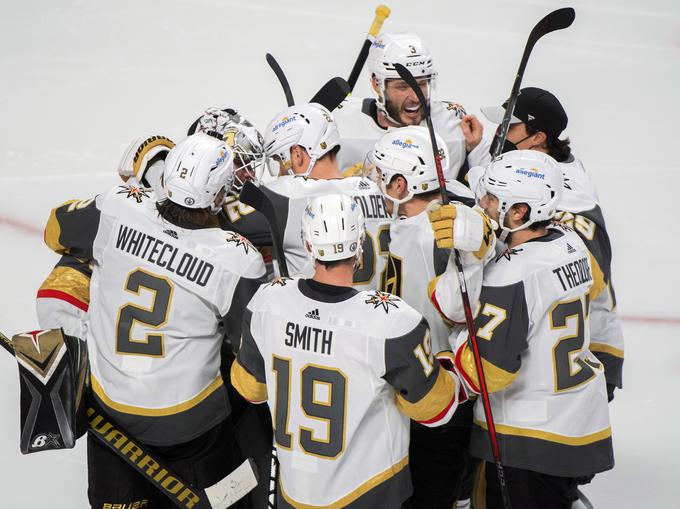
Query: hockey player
[[406, 168], [167, 285], [547, 390], [538, 121], [64, 297], [363, 121], [301, 144], [342, 372]]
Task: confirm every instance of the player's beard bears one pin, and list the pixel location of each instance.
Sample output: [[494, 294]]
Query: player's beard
[[395, 114]]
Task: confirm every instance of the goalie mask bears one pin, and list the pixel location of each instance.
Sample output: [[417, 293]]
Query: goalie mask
[[245, 142], [406, 49], [311, 126], [196, 170], [523, 176], [333, 228], [407, 151]]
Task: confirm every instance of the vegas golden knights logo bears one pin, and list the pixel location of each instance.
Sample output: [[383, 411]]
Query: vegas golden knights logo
[[391, 278]]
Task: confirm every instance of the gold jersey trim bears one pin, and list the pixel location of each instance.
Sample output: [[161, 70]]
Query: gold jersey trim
[[247, 385], [69, 281], [354, 494], [598, 278], [549, 436], [437, 399], [496, 378], [156, 412], [603, 348], [53, 230]]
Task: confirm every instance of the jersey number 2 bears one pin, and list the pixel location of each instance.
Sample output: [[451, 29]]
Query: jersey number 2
[[153, 345], [323, 393]]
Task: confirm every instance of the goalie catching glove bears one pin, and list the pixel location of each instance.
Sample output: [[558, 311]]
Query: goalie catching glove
[[461, 227], [141, 155]]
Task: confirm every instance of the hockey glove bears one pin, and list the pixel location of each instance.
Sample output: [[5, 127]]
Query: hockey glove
[[140, 154], [461, 227]]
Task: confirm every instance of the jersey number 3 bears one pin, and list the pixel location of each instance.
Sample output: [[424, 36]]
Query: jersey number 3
[[153, 345]]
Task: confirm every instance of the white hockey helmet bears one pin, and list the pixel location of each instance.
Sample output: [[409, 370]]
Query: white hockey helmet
[[309, 125], [244, 140], [406, 49], [523, 176], [196, 170], [407, 151], [333, 228]]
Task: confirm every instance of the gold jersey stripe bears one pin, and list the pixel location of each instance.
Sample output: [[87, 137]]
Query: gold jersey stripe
[[431, 405], [354, 494], [603, 348], [549, 436], [53, 230], [598, 278], [70, 281], [156, 412], [247, 385], [496, 378]]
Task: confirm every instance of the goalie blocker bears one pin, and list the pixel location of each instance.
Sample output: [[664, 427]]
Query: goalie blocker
[[52, 374]]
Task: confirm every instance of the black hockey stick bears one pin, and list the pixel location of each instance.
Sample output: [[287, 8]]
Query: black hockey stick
[[556, 20], [406, 75], [331, 94], [382, 12], [282, 78], [221, 495]]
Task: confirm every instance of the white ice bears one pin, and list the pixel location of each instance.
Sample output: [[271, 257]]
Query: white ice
[[79, 79]]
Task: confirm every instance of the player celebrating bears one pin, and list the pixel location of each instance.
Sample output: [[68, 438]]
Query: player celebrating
[[301, 144], [406, 168], [547, 390], [167, 285], [363, 121], [342, 371], [537, 123]]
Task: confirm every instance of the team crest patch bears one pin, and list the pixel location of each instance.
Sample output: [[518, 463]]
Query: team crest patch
[[507, 254], [134, 192], [240, 240], [280, 281], [383, 300]]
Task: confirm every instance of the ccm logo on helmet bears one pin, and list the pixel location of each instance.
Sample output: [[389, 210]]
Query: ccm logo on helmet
[[413, 64], [283, 123], [531, 173]]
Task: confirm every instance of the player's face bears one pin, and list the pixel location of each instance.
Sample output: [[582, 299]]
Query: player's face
[[520, 138], [489, 203], [402, 103]]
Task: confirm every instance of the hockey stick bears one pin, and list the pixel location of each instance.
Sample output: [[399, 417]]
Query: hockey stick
[[382, 12], [331, 94], [406, 75], [253, 196], [584, 500], [282, 78], [556, 20], [220, 495]]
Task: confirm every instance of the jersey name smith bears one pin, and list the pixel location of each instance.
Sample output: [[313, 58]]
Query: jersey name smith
[[164, 255], [309, 338]]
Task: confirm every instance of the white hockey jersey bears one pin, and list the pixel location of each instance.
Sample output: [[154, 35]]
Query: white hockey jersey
[[342, 371], [547, 389], [161, 300], [359, 132], [289, 195]]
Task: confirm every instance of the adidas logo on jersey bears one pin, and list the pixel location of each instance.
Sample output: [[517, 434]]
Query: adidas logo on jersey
[[570, 249], [364, 185], [314, 314], [172, 233]]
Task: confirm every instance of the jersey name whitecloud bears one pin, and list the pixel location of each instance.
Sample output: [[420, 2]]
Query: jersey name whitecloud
[[164, 255], [309, 338], [575, 273]]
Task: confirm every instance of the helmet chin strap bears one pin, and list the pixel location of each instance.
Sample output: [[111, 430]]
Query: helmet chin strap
[[504, 235], [395, 201]]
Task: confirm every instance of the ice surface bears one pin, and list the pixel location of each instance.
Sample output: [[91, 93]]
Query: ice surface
[[81, 78]]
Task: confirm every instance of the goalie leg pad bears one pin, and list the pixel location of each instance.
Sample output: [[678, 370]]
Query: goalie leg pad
[[52, 374]]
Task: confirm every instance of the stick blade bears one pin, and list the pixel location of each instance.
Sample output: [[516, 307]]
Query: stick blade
[[556, 20], [332, 93]]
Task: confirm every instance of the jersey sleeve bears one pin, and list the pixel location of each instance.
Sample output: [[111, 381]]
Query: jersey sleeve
[[425, 392], [246, 287], [502, 328], [72, 228], [245, 220], [606, 336], [248, 371]]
